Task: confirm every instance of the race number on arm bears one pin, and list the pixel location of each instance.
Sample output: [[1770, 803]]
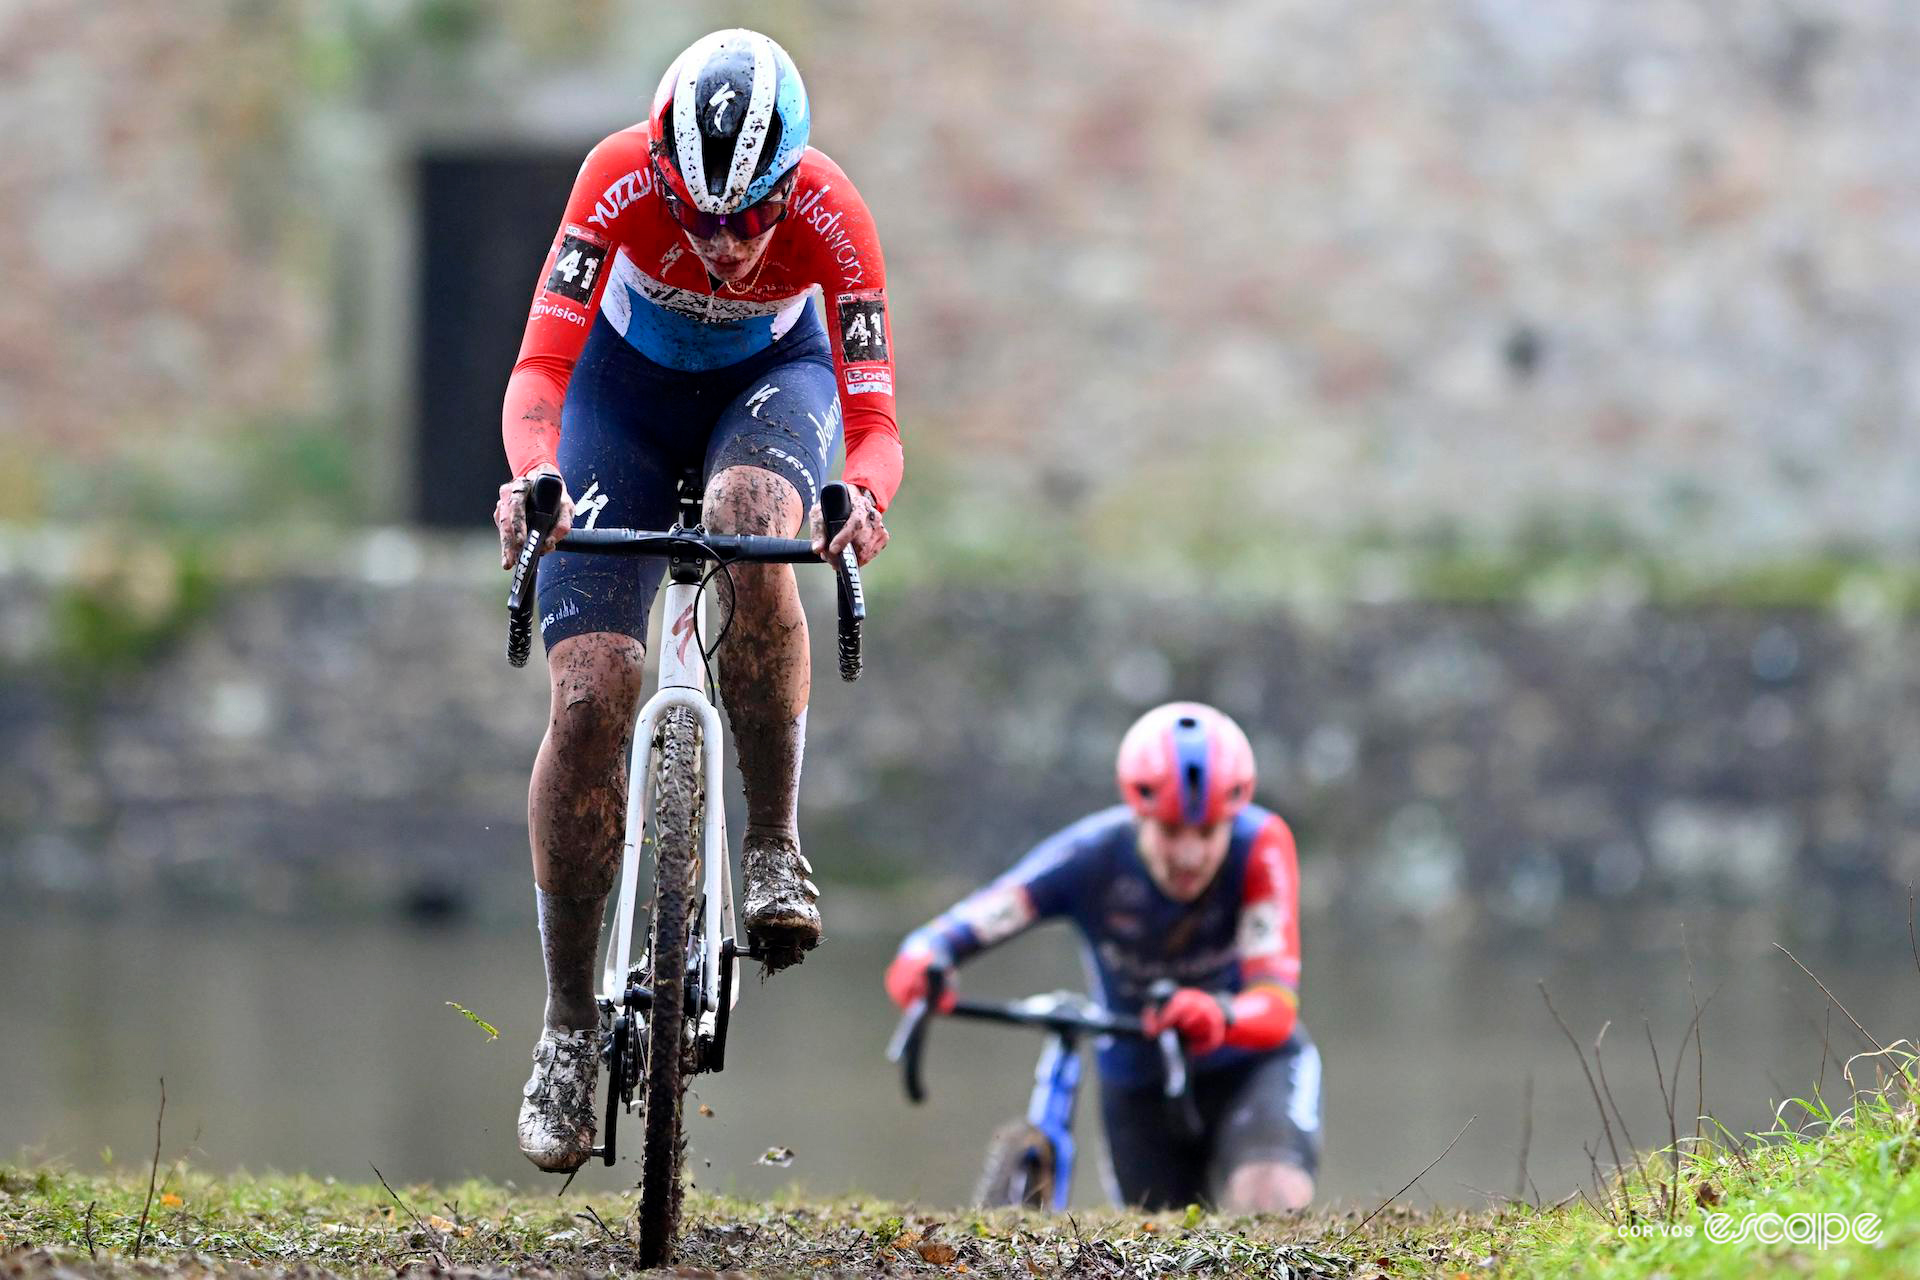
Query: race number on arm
[[566, 296], [840, 247]]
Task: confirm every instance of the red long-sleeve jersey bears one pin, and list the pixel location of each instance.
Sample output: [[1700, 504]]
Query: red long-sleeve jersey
[[619, 254]]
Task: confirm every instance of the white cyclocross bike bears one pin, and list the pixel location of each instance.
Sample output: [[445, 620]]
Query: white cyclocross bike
[[665, 1018]]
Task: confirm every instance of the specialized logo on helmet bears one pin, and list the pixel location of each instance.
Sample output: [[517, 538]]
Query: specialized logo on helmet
[[718, 102], [731, 113]]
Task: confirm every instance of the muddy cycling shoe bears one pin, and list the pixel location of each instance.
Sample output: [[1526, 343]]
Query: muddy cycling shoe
[[782, 905], [556, 1115]]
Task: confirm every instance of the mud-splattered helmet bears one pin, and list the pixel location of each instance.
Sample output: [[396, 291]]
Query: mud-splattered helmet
[[729, 121], [1186, 763]]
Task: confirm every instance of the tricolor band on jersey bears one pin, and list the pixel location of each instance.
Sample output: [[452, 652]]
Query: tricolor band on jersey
[[715, 296]]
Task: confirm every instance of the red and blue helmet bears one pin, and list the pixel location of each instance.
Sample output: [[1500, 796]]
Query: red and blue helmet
[[1186, 763], [730, 120]]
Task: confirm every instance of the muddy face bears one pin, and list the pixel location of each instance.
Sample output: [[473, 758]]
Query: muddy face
[[729, 258], [1183, 858]]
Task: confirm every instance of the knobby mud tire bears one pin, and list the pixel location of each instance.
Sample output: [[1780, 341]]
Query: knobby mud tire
[[1019, 1169], [676, 799]]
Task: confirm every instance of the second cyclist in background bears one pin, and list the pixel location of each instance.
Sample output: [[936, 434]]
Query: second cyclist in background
[[1188, 881]]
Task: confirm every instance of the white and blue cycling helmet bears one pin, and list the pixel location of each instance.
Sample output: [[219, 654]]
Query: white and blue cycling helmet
[[729, 121]]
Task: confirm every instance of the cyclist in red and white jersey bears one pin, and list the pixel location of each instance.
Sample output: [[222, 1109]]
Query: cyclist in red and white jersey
[[674, 328]]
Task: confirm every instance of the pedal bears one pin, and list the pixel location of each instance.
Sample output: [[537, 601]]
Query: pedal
[[775, 953]]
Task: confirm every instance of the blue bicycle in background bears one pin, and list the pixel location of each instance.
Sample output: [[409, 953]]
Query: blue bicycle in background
[[1030, 1162]]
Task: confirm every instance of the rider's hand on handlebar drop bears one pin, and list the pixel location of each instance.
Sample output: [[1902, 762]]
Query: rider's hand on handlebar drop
[[907, 979], [866, 533], [510, 515], [1197, 1015]]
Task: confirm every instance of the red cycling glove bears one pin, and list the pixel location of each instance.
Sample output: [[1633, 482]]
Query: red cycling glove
[[907, 979], [1261, 1017], [1197, 1015]]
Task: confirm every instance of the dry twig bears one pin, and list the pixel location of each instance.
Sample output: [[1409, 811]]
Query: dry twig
[[1402, 1191], [1673, 1121], [425, 1230], [153, 1174], [1601, 1107], [1526, 1139], [1911, 941], [1868, 1035], [1699, 1049], [589, 1214]]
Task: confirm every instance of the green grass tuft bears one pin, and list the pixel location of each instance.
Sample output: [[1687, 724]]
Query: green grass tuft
[[1779, 1202]]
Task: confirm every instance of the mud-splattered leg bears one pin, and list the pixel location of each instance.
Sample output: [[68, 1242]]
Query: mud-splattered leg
[[765, 677], [576, 810], [765, 674]]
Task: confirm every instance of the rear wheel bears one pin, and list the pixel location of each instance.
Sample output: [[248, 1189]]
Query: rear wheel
[[1019, 1170], [675, 823]]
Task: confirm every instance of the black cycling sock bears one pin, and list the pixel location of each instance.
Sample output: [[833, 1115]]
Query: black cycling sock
[[770, 771], [570, 942]]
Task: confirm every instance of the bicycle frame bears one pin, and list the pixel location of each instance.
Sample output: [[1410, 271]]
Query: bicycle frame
[[1056, 1087], [713, 971], [1056, 1077], [683, 683]]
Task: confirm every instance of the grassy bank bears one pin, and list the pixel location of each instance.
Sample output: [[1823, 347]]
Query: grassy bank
[[1816, 1176], [1825, 1192], [57, 1222]]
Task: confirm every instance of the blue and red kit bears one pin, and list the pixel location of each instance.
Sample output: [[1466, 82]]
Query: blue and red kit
[[1242, 933]]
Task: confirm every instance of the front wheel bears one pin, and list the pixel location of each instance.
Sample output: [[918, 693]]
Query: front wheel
[[1020, 1169], [675, 821]]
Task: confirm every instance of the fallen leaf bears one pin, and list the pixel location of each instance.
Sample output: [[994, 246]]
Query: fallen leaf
[[937, 1253], [493, 1032], [439, 1223]]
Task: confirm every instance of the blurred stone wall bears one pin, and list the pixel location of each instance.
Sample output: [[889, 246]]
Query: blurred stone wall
[[355, 739], [149, 192], [1640, 271]]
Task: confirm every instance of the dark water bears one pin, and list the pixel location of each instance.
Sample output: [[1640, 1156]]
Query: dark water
[[326, 1048]]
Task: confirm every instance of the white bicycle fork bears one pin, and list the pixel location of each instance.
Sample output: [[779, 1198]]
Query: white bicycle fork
[[682, 684]]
